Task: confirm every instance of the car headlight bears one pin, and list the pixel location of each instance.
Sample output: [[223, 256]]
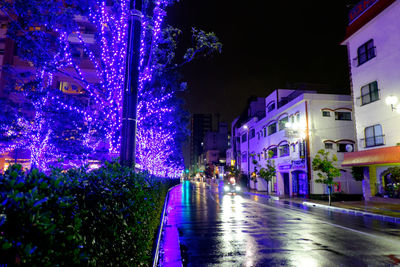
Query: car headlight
[[237, 188], [226, 188]]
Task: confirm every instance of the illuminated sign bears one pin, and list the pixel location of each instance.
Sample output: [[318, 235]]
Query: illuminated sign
[[302, 152], [284, 166], [360, 8], [298, 164]]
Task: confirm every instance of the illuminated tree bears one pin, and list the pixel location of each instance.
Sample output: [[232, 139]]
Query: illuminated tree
[[50, 35]]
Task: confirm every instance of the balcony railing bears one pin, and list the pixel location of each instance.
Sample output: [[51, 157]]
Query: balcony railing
[[368, 98], [377, 140]]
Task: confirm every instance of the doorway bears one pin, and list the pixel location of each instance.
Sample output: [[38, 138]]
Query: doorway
[[286, 184]]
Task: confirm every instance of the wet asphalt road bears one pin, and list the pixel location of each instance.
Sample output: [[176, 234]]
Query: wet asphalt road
[[243, 230]]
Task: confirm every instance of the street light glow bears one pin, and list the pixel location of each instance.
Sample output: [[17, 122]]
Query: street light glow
[[391, 100]]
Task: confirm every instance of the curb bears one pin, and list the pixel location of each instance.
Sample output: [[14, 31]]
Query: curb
[[262, 195], [354, 212], [160, 231], [337, 209]]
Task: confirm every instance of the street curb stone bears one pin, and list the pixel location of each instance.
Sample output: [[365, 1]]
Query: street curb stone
[[354, 212], [337, 209]]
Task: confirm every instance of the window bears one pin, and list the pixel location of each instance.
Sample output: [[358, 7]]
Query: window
[[272, 128], [252, 133], [284, 150], [345, 147], [282, 123], [366, 52], [244, 138], [369, 93], [265, 131], [244, 157], [274, 152], [298, 117], [343, 116], [258, 135], [374, 136], [293, 148], [326, 113], [328, 146], [271, 106], [67, 87]]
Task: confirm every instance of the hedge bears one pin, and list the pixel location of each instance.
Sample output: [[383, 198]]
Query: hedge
[[109, 216]]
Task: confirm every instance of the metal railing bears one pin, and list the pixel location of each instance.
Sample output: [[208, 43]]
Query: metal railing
[[363, 100], [377, 140]]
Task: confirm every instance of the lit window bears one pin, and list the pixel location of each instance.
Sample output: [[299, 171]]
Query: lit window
[[282, 123], [365, 52], [369, 93]]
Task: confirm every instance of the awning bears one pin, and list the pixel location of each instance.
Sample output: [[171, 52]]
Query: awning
[[382, 155]]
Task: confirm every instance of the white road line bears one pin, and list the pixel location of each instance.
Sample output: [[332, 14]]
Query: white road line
[[325, 222]]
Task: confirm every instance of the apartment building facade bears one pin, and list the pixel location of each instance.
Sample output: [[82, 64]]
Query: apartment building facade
[[298, 124], [372, 41]]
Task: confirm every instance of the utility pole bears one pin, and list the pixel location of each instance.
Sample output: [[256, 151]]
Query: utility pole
[[131, 84]]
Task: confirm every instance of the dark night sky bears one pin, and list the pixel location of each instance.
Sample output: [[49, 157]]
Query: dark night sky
[[265, 45]]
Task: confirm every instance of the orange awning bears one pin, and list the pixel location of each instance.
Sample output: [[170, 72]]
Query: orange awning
[[382, 155]]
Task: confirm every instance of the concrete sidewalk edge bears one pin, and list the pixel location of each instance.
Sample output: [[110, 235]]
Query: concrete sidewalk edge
[[337, 209], [354, 212], [172, 253]]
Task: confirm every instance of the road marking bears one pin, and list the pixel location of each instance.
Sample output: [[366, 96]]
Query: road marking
[[325, 222]]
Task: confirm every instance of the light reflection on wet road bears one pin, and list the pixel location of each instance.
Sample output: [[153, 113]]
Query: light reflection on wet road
[[241, 230]]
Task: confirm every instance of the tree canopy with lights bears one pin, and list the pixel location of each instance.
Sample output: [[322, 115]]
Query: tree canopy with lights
[[81, 46]]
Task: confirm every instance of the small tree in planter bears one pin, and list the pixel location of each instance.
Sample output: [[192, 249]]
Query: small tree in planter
[[254, 174], [326, 169], [267, 172]]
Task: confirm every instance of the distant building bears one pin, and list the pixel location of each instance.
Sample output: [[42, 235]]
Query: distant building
[[372, 40], [254, 109], [215, 144], [200, 124], [63, 82], [297, 124]]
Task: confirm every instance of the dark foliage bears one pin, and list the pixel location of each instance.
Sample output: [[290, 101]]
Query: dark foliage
[[105, 217]]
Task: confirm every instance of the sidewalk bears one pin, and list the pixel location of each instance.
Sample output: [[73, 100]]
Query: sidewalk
[[387, 211]]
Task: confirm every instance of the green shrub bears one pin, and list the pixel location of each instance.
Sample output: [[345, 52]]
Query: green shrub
[[105, 217]]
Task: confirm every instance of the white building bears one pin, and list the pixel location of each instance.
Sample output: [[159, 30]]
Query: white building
[[298, 124], [372, 40]]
